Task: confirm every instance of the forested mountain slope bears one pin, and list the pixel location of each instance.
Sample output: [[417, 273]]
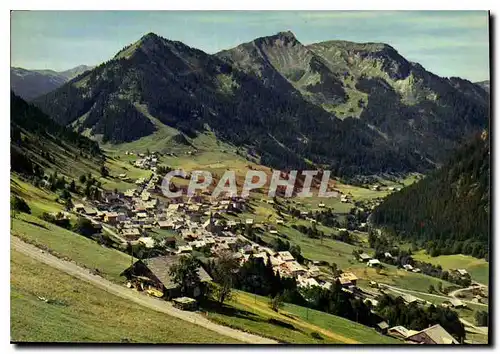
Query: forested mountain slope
[[449, 210], [188, 89], [281, 100], [39, 144]]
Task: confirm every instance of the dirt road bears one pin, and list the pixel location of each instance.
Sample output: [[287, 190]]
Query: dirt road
[[132, 295]]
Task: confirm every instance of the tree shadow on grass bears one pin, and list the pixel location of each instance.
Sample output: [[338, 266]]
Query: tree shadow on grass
[[36, 224], [227, 310]]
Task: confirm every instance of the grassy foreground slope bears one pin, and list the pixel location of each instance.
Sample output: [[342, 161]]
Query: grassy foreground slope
[[67, 244], [80, 312], [293, 324]]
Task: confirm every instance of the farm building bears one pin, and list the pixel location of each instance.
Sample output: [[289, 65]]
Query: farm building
[[154, 273], [382, 327], [363, 257], [285, 256], [400, 332], [432, 335], [374, 263]]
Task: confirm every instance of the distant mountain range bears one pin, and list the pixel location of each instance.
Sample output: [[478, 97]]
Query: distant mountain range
[[33, 83], [354, 108]]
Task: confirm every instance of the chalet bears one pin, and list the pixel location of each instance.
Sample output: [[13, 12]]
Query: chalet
[[197, 244], [314, 271], [185, 303], [321, 205], [363, 257], [111, 217], [400, 332], [409, 299], [131, 233], [326, 285], [249, 221], [90, 211], [294, 268], [408, 267], [285, 256], [462, 272], [155, 273], [238, 256], [382, 327], [455, 303], [79, 208], [142, 215], [374, 263], [129, 193], [209, 240], [279, 222], [305, 282], [432, 335], [166, 224], [149, 242], [348, 278], [276, 262], [273, 232], [193, 208], [185, 249]]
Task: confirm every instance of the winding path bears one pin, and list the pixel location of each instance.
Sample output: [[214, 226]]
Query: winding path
[[132, 295]]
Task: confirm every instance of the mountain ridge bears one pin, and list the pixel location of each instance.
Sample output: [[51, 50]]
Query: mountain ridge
[[274, 92], [30, 84]]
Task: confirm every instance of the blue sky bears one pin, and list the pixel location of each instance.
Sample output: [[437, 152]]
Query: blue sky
[[448, 43]]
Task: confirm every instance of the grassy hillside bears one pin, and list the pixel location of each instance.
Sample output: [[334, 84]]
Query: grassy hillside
[[479, 269], [293, 324], [448, 212], [80, 312], [67, 244]]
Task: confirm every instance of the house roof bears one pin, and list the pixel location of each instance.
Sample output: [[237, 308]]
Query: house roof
[[160, 267], [410, 298], [382, 325], [364, 256], [403, 331], [437, 334], [286, 256], [456, 302]]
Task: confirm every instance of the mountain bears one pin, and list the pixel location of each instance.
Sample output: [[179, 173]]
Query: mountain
[[39, 143], [32, 83], [372, 82], [449, 210], [485, 85], [351, 108]]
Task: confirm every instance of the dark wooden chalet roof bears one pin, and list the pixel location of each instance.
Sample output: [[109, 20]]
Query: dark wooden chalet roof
[[160, 267]]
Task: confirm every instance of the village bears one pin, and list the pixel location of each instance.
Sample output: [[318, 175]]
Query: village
[[142, 216]]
